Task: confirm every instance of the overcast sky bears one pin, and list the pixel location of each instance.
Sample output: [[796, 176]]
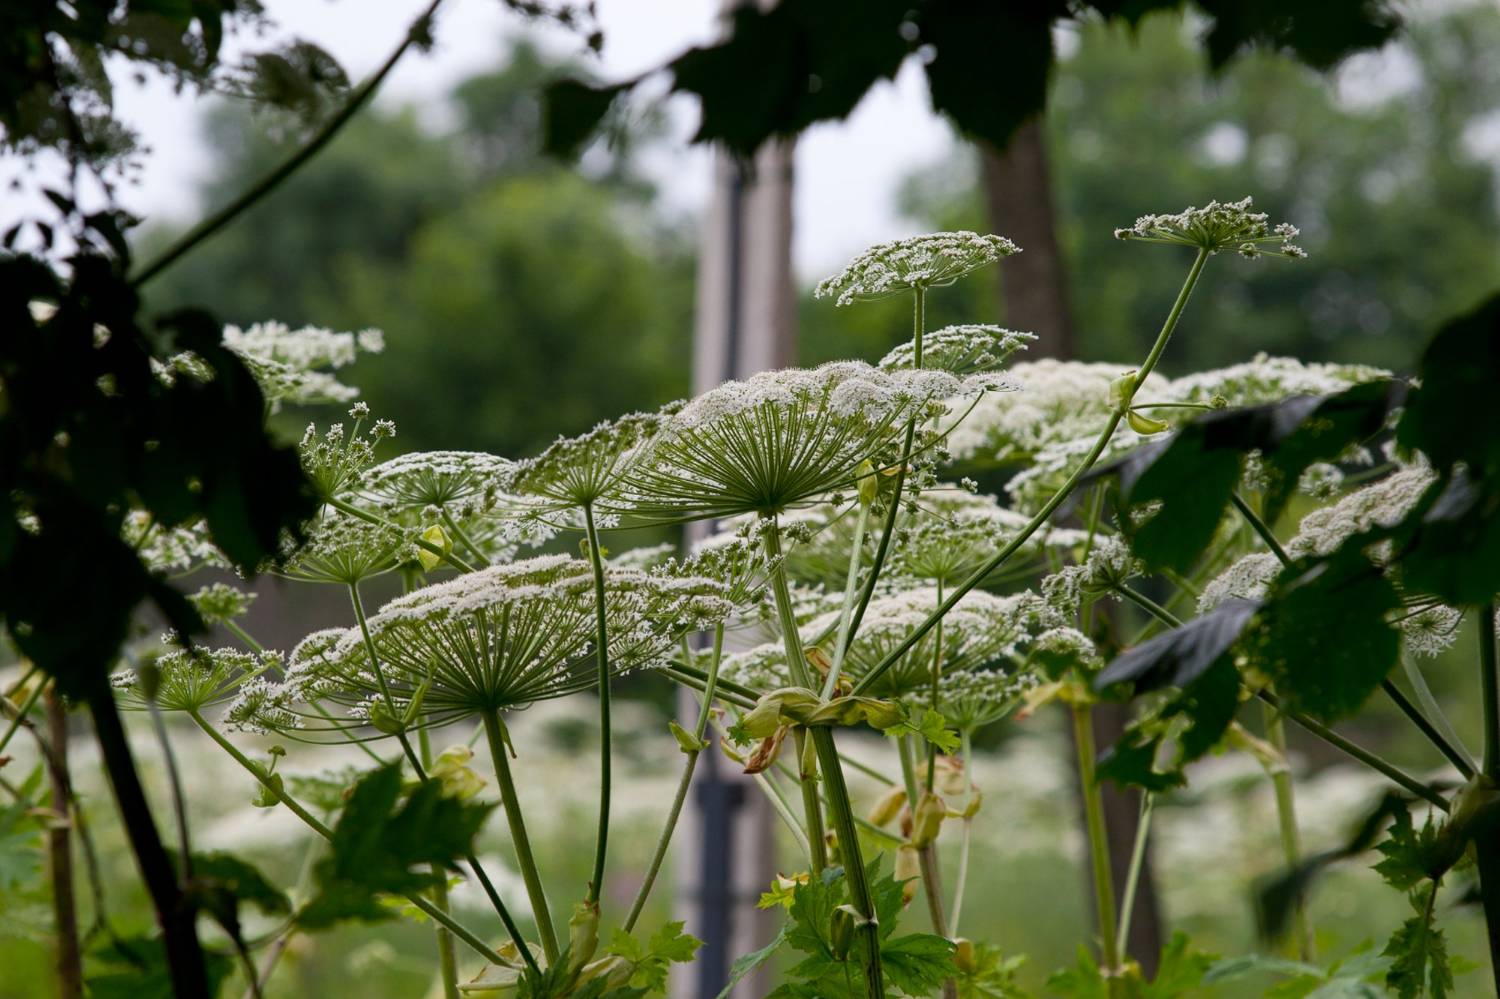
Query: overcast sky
[[847, 173]]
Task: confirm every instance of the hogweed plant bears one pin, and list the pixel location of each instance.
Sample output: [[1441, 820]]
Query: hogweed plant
[[1274, 531]]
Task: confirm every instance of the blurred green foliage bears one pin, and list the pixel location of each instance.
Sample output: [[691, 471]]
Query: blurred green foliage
[[1385, 172]]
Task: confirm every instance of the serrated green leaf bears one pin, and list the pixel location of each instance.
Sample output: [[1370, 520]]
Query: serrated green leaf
[[1419, 953]]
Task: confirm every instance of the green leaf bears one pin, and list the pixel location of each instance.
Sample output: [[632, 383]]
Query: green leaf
[[1323, 635], [1184, 728], [384, 844], [1180, 971], [928, 723], [136, 967], [747, 963], [667, 946], [1177, 657], [918, 962], [1459, 370], [1419, 953]]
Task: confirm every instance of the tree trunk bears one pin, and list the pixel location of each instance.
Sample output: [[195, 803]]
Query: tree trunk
[[1034, 297]]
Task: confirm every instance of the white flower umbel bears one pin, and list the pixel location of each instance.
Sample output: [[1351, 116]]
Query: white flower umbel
[[1265, 379], [981, 632], [1247, 578], [960, 350], [946, 535], [174, 550], [504, 637], [914, 263], [575, 472], [335, 460], [194, 679], [1059, 402], [338, 548], [295, 366], [1379, 504], [784, 438], [1214, 227]]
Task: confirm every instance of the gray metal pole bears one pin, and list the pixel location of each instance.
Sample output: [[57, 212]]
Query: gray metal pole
[[724, 854]]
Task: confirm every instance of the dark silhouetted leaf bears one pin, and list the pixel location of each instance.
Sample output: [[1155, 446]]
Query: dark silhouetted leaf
[[1176, 658]]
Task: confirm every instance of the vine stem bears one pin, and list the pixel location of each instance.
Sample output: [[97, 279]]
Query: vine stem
[[218, 220], [839, 806], [1057, 499], [665, 839], [494, 730], [318, 826], [1093, 811], [601, 639]]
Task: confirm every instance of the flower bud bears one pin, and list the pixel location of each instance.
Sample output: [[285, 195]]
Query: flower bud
[[950, 775], [583, 935], [383, 720], [908, 868], [614, 970], [888, 807], [686, 741], [436, 537], [266, 797], [869, 485], [1145, 425], [963, 956], [841, 926], [1121, 391], [927, 821]]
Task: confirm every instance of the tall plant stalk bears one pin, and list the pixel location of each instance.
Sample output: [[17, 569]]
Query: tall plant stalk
[[601, 654], [69, 958], [1104, 885], [1486, 848], [494, 730], [840, 809], [966, 740], [1286, 818], [447, 959]]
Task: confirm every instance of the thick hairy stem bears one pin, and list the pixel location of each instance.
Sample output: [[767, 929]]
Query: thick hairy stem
[[495, 732], [174, 912], [842, 813], [601, 654], [1286, 817], [1103, 877], [203, 230], [665, 839], [69, 959], [1050, 507], [318, 826]]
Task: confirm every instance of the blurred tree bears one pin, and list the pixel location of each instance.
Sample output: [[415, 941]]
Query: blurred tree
[[477, 257], [1383, 172]]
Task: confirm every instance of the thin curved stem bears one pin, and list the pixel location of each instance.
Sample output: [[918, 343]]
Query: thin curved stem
[[21, 712], [344, 506], [1489, 686], [462, 537], [851, 588], [318, 826], [495, 731], [665, 839], [1133, 876], [447, 960], [1291, 837], [1057, 499], [601, 654], [358, 99]]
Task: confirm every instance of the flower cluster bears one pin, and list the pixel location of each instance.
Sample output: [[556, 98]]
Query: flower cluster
[[1267, 379], [174, 550], [782, 438], [946, 535], [1214, 227], [580, 471], [917, 262], [193, 679], [960, 350], [339, 548], [295, 366], [335, 461], [503, 637]]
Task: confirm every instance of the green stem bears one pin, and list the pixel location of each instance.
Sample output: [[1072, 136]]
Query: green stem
[[1103, 877], [494, 730], [812, 810], [358, 99], [463, 538], [665, 839], [1050, 507], [447, 960], [783, 809], [918, 327], [22, 712], [1133, 876], [932, 888], [316, 825], [1431, 707], [851, 587], [965, 843], [385, 689], [937, 678], [1489, 687], [1286, 815], [1260, 527], [833, 778], [344, 506], [601, 654]]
